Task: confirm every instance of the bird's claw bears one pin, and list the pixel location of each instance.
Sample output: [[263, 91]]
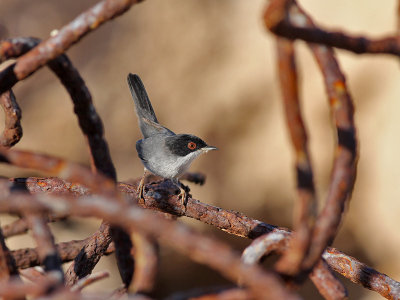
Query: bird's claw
[[184, 194], [140, 192]]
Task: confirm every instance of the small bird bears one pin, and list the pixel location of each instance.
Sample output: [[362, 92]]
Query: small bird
[[161, 151]]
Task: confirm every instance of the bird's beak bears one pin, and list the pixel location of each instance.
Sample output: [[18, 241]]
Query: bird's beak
[[208, 148]]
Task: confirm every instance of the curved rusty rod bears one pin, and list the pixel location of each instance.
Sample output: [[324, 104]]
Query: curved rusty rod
[[67, 36], [286, 25], [146, 263], [162, 197], [29, 257], [362, 274], [89, 121], [306, 205], [47, 251], [12, 132], [344, 167], [198, 247], [92, 127], [279, 242], [8, 265]]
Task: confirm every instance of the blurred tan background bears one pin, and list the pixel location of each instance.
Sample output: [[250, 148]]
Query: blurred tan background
[[209, 68]]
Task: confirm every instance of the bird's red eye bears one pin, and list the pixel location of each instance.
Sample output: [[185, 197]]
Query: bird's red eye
[[191, 145]]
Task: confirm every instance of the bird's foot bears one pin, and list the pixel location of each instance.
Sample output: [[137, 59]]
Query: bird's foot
[[184, 193], [140, 191]]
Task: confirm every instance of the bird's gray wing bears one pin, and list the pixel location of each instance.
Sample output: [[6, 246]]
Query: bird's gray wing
[[147, 118]]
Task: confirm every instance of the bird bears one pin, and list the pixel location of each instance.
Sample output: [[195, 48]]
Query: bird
[[161, 151]]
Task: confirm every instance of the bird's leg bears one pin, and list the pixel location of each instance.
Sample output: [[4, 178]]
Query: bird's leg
[[140, 189], [184, 191]]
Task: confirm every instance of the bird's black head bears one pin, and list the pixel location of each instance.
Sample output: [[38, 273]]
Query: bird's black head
[[183, 144]]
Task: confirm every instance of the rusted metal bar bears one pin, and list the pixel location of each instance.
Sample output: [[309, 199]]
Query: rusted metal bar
[[360, 273], [264, 245], [12, 132], [198, 247], [46, 248], [17, 227], [163, 198], [88, 280], [306, 206], [323, 278], [33, 274], [146, 263], [16, 289], [212, 215], [92, 128], [21, 226], [8, 267], [293, 27], [88, 119], [71, 172], [98, 184], [326, 282], [29, 257], [344, 168], [89, 255], [63, 40]]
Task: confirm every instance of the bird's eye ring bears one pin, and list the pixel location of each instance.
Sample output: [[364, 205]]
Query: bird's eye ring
[[191, 145]]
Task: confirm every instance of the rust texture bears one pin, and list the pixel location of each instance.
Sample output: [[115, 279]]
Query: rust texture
[[138, 229], [21, 226], [271, 238], [146, 263], [360, 273], [162, 197], [12, 132], [326, 282], [89, 255], [64, 39], [88, 118], [16, 289], [344, 168], [198, 247], [88, 280], [304, 218], [280, 23], [8, 267], [279, 242], [92, 127], [29, 257], [46, 248]]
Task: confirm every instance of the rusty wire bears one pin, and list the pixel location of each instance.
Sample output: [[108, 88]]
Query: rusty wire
[[47, 251], [85, 193], [21, 226], [92, 127], [286, 25], [67, 36], [8, 266], [29, 257], [12, 132], [322, 276], [306, 208], [360, 273], [344, 167], [231, 222], [198, 247]]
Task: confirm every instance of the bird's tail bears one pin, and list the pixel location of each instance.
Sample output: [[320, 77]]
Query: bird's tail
[[144, 110]]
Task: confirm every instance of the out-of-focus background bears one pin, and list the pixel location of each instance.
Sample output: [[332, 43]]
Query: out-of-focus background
[[209, 68]]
